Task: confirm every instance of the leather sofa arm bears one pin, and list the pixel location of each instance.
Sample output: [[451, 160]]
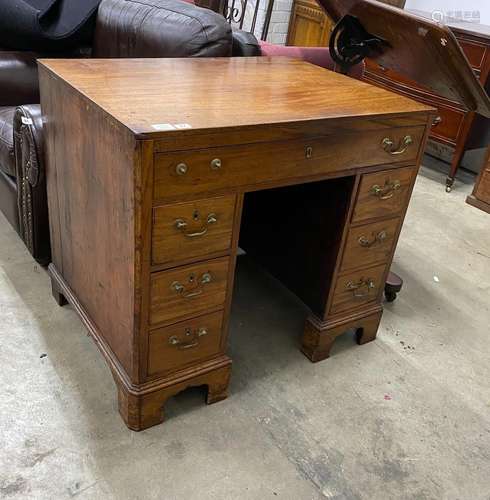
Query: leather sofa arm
[[31, 181], [245, 44], [18, 78]]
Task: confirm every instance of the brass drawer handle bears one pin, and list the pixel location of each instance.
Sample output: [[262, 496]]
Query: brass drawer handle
[[362, 288], [196, 286], [181, 225], [389, 145], [387, 191], [378, 238], [436, 121], [191, 339]]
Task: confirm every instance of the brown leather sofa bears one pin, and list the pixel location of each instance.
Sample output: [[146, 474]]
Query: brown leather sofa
[[124, 28], [18, 85]]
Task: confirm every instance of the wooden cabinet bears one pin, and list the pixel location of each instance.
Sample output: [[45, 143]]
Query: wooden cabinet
[[147, 210], [309, 26], [453, 129]]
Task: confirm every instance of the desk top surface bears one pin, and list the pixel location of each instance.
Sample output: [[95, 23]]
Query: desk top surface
[[156, 97]]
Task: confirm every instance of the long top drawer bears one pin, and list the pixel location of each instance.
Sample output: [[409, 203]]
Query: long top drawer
[[202, 170]]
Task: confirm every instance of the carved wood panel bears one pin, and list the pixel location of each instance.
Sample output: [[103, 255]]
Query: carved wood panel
[[309, 26]]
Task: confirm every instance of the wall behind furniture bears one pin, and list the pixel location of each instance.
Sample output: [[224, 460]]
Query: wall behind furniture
[[449, 7], [278, 28]]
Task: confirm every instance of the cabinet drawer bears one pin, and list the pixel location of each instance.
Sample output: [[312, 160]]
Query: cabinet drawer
[[392, 80], [448, 123], [383, 193], [188, 290], [474, 52], [191, 229], [184, 343], [357, 289], [369, 244], [210, 169]]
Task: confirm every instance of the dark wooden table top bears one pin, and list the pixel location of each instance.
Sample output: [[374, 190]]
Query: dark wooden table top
[[155, 97]]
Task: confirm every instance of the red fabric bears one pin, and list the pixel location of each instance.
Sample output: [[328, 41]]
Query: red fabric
[[189, 1], [320, 56]]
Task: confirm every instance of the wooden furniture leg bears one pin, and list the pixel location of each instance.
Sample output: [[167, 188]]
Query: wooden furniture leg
[[144, 408], [457, 157], [319, 336], [458, 154]]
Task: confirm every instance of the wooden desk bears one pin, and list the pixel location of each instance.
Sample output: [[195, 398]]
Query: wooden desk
[[153, 170]]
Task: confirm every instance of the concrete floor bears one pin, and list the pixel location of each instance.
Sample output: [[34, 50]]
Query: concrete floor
[[405, 417]]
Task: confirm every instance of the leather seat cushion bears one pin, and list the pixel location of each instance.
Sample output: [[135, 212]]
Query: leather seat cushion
[[159, 28], [7, 160]]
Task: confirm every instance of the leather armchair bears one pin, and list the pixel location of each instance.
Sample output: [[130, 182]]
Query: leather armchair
[[18, 84], [31, 181]]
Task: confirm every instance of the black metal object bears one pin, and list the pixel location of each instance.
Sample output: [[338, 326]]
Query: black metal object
[[235, 12], [350, 43], [393, 286]]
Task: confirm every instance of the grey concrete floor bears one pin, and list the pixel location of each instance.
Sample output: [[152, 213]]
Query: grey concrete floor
[[404, 417]]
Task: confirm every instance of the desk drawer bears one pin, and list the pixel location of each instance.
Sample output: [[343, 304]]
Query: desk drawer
[[228, 167], [188, 290], [357, 289], [191, 229], [369, 244], [184, 343], [383, 193], [448, 123]]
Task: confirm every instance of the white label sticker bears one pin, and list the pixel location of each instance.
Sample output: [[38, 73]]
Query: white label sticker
[[182, 125], [26, 121], [163, 126]]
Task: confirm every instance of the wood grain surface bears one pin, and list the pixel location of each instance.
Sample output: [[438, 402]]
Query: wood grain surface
[[202, 93], [173, 244], [392, 202], [252, 164], [369, 244], [188, 290]]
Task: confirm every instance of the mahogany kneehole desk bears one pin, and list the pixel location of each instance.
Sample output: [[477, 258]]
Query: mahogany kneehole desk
[[159, 169]]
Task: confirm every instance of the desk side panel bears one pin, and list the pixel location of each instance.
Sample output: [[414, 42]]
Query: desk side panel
[[90, 177]]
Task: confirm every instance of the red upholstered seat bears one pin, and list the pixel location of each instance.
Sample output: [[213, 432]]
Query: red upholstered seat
[[320, 56]]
